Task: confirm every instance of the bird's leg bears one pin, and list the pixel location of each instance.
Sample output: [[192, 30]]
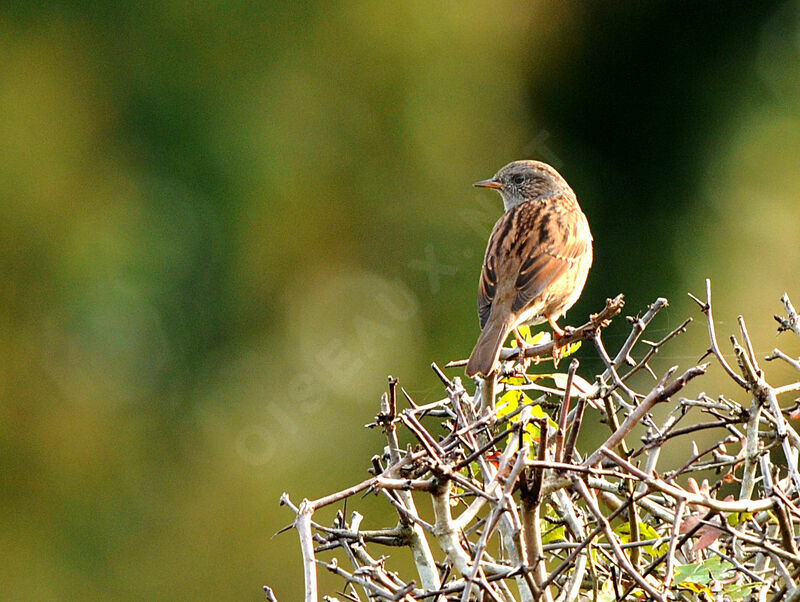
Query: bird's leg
[[558, 334], [522, 345]]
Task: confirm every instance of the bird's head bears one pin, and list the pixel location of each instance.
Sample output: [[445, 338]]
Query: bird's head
[[525, 180]]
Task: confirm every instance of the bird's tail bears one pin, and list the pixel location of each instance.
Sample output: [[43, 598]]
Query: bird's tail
[[487, 349]]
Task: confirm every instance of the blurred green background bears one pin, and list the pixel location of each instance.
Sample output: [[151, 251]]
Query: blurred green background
[[222, 224]]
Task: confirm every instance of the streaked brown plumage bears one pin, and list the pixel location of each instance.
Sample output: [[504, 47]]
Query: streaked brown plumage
[[537, 259]]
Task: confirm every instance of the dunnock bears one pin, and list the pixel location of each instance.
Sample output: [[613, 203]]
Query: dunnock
[[537, 259]]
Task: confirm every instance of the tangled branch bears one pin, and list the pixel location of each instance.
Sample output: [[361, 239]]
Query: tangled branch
[[521, 512]]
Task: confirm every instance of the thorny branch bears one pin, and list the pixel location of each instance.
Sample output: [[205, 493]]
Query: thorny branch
[[524, 509]]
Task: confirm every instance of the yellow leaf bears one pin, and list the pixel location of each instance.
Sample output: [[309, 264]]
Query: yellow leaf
[[508, 402], [554, 534], [698, 589], [539, 413]]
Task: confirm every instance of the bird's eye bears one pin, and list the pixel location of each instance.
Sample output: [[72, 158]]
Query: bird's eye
[[518, 179]]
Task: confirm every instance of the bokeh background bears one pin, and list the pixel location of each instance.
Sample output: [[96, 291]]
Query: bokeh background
[[223, 224]]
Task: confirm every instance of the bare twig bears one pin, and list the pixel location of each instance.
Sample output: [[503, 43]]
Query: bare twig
[[624, 563], [303, 525], [638, 326], [693, 498], [469, 459], [705, 307], [673, 541], [660, 393], [564, 411], [792, 320], [545, 350], [777, 354], [572, 439]]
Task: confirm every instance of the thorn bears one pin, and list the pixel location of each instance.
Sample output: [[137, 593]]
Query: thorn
[[442, 376], [283, 530], [703, 305]]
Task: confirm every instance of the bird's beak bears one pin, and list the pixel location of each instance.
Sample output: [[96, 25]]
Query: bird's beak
[[491, 183]]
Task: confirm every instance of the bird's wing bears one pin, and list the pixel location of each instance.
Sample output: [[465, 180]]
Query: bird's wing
[[532, 248], [547, 264], [487, 286]]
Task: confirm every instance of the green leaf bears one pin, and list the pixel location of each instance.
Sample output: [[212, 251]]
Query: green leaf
[[554, 534], [645, 532], [606, 593], [738, 591], [698, 575], [720, 569], [694, 573]]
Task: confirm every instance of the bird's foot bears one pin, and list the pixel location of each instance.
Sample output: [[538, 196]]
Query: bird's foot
[[522, 345], [558, 335]]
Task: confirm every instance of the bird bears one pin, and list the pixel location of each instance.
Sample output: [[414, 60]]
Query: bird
[[537, 259]]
